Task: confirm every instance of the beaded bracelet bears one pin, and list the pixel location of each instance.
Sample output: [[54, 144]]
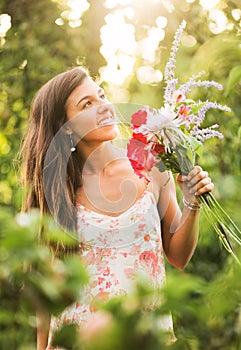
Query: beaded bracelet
[[192, 206]]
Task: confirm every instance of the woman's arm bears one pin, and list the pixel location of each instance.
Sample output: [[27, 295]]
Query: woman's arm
[[180, 229], [43, 323]]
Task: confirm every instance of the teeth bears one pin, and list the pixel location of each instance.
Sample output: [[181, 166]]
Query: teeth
[[106, 121]]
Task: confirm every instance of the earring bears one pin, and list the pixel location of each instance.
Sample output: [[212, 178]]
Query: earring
[[72, 147]]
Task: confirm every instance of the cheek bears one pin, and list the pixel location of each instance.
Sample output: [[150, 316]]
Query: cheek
[[84, 124]]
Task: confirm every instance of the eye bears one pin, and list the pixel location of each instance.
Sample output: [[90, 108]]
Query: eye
[[87, 104]]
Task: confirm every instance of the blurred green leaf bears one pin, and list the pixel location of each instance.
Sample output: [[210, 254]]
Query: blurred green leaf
[[30, 279], [63, 336], [233, 79]]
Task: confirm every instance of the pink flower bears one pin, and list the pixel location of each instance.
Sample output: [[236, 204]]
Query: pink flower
[[89, 258], [149, 259], [141, 158], [178, 96], [183, 112], [106, 271], [138, 118], [100, 280], [108, 284], [141, 227]]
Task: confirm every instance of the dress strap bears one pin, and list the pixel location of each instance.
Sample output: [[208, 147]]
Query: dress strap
[[149, 186]]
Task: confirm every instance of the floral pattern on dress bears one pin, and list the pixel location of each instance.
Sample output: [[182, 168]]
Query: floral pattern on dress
[[115, 250]]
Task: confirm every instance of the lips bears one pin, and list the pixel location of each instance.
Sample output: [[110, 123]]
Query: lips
[[106, 121]]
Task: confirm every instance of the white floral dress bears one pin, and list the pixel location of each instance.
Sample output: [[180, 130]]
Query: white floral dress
[[115, 249]]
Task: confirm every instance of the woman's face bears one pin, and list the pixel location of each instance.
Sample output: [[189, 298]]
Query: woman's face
[[91, 118]]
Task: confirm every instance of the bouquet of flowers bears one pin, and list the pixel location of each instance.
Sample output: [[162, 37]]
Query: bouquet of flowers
[[172, 136]]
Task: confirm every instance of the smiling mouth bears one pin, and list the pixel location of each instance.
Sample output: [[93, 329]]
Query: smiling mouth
[[106, 121]]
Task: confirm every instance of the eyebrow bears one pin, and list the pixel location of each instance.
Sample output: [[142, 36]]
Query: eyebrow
[[88, 96]]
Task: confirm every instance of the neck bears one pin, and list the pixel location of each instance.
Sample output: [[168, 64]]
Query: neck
[[96, 158]]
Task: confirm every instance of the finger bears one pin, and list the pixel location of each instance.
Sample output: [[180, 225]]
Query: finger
[[202, 186], [181, 178], [197, 169], [205, 188], [199, 176]]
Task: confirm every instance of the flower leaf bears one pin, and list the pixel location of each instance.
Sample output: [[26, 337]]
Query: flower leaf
[[233, 78], [196, 107], [196, 145]]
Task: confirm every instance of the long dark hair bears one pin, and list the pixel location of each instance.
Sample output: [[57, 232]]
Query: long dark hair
[[51, 181]]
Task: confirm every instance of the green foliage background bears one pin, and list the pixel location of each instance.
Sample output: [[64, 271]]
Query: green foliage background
[[207, 312]]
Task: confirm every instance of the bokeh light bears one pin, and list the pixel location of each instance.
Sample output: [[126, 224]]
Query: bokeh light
[[73, 14], [126, 53], [121, 49], [5, 25], [209, 4]]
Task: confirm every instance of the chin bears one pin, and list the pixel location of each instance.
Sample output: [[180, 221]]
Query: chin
[[110, 132]]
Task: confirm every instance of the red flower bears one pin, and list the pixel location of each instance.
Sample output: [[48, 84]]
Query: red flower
[[138, 169], [141, 158], [158, 148], [138, 118], [139, 136]]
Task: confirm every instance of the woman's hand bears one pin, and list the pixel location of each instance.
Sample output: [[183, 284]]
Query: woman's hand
[[197, 182]]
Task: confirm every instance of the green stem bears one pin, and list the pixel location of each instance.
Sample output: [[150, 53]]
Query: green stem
[[222, 223]]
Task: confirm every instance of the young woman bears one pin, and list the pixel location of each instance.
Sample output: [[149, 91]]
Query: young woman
[[76, 174]]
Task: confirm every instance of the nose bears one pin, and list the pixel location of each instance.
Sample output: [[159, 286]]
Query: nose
[[105, 108]]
